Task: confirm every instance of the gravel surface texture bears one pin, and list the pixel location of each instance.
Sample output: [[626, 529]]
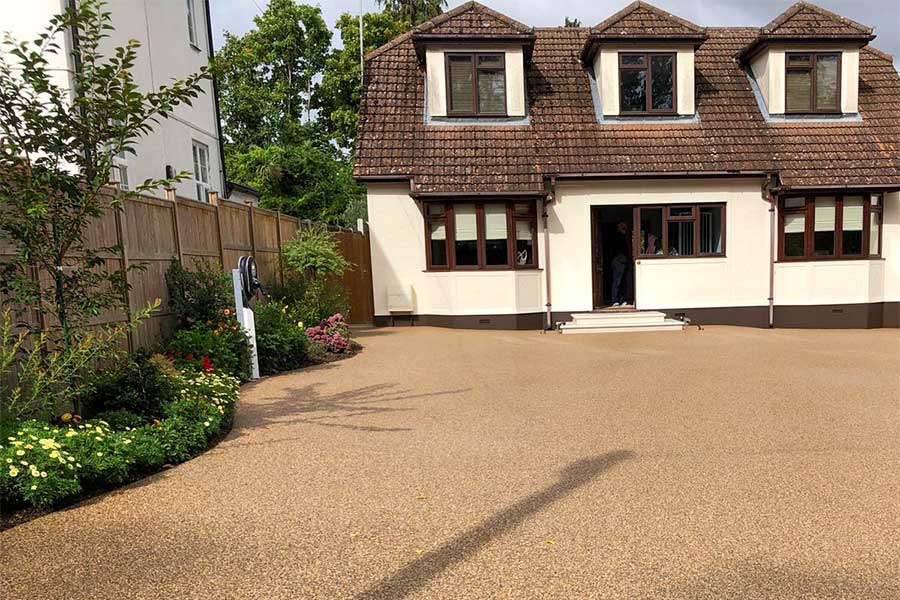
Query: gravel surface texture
[[725, 463]]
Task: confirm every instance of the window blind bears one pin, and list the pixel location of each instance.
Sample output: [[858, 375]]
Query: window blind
[[794, 223], [495, 221], [853, 213], [825, 214], [462, 93], [523, 230], [799, 87], [466, 226], [438, 231], [826, 81]]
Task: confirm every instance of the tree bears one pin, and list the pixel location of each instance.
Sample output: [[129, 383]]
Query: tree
[[338, 95], [56, 155], [572, 22], [414, 11], [267, 75]]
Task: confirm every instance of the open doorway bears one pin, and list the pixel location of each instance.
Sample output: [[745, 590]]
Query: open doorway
[[607, 243]]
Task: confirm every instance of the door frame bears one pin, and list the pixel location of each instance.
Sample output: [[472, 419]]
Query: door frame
[[597, 253]]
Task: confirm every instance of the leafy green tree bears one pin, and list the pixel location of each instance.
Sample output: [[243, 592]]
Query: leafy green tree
[[414, 11], [572, 22], [267, 75], [337, 98], [56, 155]]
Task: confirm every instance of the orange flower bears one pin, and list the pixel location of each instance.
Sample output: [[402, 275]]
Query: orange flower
[[227, 311], [66, 418]]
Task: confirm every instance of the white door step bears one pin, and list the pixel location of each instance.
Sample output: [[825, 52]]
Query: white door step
[[618, 326], [623, 317]]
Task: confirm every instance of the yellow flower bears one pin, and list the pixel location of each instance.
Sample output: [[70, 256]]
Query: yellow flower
[[209, 323], [66, 417], [99, 454], [34, 487], [71, 433], [9, 460], [13, 471], [227, 311], [20, 453], [29, 447], [44, 474], [54, 454]]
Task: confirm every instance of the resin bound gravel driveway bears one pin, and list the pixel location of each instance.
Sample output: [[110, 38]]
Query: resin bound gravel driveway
[[727, 463]]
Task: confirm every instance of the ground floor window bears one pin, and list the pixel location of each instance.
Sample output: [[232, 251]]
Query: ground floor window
[[829, 226], [681, 230], [480, 235]]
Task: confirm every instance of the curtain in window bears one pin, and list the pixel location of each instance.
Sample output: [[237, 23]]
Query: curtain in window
[[826, 81], [462, 94], [711, 230], [799, 88]]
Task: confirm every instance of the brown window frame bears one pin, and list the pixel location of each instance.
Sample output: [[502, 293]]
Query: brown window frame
[[667, 218], [648, 85], [448, 218], [809, 212], [813, 95], [475, 109]]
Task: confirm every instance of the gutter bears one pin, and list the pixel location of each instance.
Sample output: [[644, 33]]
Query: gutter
[[660, 174], [226, 191], [550, 197], [768, 190]]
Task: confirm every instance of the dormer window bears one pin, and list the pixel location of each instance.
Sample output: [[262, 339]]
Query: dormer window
[[813, 82], [647, 83], [476, 84]]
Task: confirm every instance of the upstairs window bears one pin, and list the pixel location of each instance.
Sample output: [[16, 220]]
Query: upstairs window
[[823, 227], [813, 82], [201, 171], [476, 84], [647, 83], [192, 23]]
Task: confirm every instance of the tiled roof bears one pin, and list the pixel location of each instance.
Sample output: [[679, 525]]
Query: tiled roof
[[472, 18], [642, 20], [808, 20], [564, 137]]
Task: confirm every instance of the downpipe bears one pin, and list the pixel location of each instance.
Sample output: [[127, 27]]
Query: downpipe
[[545, 217], [769, 196]]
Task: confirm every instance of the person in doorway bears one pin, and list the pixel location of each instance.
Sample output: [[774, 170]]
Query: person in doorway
[[621, 264]]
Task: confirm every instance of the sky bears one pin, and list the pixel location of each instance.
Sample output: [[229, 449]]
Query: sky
[[236, 16]]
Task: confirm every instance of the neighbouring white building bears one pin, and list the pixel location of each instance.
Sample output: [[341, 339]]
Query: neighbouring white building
[[176, 41], [522, 177]]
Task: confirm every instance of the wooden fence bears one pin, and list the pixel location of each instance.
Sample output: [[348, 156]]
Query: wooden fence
[[155, 232]]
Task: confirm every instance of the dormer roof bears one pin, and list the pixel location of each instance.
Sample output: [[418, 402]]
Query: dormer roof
[[471, 22], [807, 22], [640, 21]]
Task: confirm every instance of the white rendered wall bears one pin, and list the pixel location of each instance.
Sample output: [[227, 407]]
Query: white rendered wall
[[397, 238], [768, 70], [165, 54], [606, 72], [27, 20], [437, 78], [738, 279]]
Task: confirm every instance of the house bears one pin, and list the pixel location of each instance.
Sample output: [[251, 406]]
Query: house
[[754, 171], [176, 41]]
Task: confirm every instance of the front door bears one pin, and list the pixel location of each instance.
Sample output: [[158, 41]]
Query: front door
[[604, 224]]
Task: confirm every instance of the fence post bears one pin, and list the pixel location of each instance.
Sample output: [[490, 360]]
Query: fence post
[[278, 243], [170, 195], [123, 250], [252, 232], [214, 200]]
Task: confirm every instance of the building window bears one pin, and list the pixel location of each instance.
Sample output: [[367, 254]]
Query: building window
[[192, 22], [680, 230], [833, 226], [201, 171], [812, 82], [119, 171], [647, 83], [476, 84], [471, 235]]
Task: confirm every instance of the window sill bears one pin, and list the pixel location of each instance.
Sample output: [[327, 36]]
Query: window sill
[[828, 260], [487, 271], [722, 257], [487, 121], [195, 46]]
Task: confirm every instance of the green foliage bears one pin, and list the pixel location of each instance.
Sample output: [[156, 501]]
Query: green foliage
[[338, 95], [311, 299], [281, 341], [299, 179], [415, 11], [56, 154], [140, 384], [43, 465], [223, 342], [198, 295], [572, 22], [266, 75], [121, 419], [315, 251], [36, 381]]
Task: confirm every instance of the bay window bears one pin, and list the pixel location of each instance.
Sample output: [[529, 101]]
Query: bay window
[[470, 235], [830, 226], [680, 230]]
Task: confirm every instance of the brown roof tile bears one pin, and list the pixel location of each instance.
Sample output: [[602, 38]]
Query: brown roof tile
[[642, 20], [472, 18], [564, 137]]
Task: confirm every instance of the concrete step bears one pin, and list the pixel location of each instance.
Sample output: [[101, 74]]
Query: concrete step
[[631, 317], [621, 327]]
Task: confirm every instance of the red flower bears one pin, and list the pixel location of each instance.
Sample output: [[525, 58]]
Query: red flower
[[207, 365], [189, 357]]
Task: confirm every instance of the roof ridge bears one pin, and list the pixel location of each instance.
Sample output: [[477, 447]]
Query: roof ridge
[[388, 45], [463, 8], [609, 22], [796, 7]]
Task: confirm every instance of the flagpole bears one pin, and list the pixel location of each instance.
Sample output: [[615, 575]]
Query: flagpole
[[361, 51]]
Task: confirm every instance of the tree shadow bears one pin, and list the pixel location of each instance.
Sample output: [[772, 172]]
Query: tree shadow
[[305, 405], [430, 565]]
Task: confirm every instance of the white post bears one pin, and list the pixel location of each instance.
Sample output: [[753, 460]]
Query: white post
[[245, 318]]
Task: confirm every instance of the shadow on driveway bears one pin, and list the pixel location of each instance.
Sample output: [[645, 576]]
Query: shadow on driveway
[[418, 573]]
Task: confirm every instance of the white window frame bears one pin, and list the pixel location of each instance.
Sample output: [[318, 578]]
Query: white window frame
[[200, 153], [192, 23], [119, 171]]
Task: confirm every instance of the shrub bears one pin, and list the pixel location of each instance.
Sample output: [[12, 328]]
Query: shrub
[[200, 295], [315, 251], [121, 419], [281, 342], [140, 385], [332, 334], [218, 389], [36, 466], [220, 345]]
